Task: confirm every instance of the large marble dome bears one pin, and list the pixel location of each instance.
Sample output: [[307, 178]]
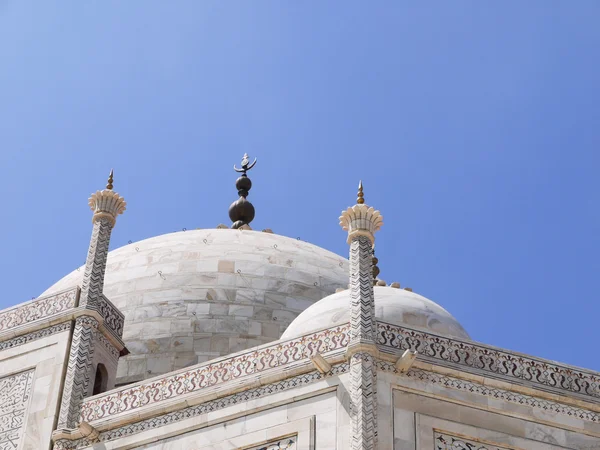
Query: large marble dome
[[195, 295]]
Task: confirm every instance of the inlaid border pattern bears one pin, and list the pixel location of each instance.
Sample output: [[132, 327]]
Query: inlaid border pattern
[[497, 393], [446, 441], [20, 340], [14, 398], [203, 408], [209, 375], [37, 309], [469, 354]]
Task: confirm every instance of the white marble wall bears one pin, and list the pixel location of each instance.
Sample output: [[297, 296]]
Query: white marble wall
[[412, 408], [218, 292], [46, 358], [492, 423], [311, 423]]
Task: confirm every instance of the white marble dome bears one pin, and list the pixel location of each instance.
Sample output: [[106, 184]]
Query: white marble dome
[[392, 305], [193, 296]]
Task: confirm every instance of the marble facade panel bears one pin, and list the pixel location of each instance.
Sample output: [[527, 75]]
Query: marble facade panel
[[15, 393], [40, 362], [484, 426], [252, 417]]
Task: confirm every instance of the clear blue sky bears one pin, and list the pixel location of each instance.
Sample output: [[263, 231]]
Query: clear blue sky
[[474, 126]]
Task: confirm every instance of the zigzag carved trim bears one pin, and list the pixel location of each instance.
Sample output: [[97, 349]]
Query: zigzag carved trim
[[363, 378], [79, 370], [95, 265]]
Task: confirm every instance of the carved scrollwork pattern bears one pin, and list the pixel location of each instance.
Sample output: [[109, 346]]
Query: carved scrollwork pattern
[[211, 375], [446, 441], [471, 355], [493, 392], [38, 309], [203, 408], [24, 339]]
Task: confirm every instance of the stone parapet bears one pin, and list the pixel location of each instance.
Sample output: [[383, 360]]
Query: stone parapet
[[37, 309], [165, 390], [431, 381], [472, 357], [466, 356]]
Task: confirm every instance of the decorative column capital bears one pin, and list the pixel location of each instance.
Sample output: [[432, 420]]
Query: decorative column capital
[[361, 219], [106, 204]]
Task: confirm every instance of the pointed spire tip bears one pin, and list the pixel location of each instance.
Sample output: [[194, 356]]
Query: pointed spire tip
[[109, 185], [360, 200]]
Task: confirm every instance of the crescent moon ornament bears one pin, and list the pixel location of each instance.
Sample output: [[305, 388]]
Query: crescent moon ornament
[[245, 166]]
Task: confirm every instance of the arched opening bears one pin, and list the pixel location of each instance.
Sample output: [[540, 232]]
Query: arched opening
[[101, 379]]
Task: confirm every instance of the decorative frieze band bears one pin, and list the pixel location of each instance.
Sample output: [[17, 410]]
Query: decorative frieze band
[[212, 374], [541, 374], [24, 339], [203, 408], [38, 309], [496, 393]]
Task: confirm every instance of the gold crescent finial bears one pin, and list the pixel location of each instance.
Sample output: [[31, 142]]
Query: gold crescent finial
[[109, 185], [360, 200]]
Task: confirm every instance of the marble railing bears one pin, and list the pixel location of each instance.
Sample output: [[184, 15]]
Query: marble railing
[[464, 355], [212, 374], [516, 368], [38, 309]]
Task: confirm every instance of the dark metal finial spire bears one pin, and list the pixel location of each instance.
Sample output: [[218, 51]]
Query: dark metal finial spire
[[109, 185], [360, 200], [241, 212]]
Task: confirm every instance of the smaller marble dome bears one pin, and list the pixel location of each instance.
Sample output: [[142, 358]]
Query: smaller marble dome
[[392, 305]]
